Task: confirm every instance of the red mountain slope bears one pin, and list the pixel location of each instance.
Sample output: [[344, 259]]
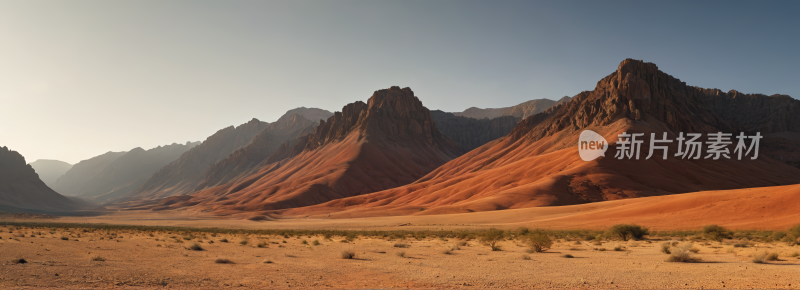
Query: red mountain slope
[[388, 142], [538, 164]]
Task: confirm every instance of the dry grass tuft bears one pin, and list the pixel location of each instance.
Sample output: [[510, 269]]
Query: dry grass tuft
[[348, 254]]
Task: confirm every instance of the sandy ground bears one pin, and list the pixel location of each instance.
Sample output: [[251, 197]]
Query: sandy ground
[[135, 259]]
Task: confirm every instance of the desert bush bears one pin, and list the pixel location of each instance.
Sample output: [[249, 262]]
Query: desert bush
[[243, 242], [618, 248], [741, 244], [195, 247], [759, 258], [771, 257], [401, 245], [522, 231], [98, 258], [19, 261], [262, 244], [665, 248], [401, 254], [795, 254], [304, 242], [461, 243], [627, 232], [348, 254], [492, 237], [682, 254], [526, 257], [223, 261], [694, 250], [224, 240], [63, 238], [538, 241], [447, 251], [716, 233], [315, 242], [568, 256], [268, 262]]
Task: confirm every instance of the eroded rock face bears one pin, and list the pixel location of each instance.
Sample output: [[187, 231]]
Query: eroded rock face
[[22, 190], [393, 114], [471, 133], [635, 91]]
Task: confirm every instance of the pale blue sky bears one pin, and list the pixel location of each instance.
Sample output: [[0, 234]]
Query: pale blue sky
[[79, 78]]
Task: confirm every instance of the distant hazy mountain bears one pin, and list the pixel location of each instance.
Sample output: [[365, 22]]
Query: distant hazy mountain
[[50, 170], [471, 133], [21, 190], [521, 111], [128, 172], [312, 114], [74, 180], [182, 175]]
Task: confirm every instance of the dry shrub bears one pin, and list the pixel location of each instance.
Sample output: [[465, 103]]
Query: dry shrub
[[223, 261], [682, 254], [348, 254]]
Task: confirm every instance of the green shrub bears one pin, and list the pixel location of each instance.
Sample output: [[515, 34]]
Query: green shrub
[[716, 233], [627, 232], [538, 241], [492, 237]]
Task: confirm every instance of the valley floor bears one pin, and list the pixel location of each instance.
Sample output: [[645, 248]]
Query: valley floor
[[126, 258]]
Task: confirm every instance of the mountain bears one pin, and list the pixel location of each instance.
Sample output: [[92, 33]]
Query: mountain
[[537, 163], [72, 182], [182, 175], [21, 190], [50, 170], [387, 142], [471, 133], [129, 171], [777, 117], [532, 107], [520, 111], [241, 162], [313, 114]]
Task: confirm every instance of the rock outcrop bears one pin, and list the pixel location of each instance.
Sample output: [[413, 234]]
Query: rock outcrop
[[21, 190], [472, 133], [312, 114], [50, 170]]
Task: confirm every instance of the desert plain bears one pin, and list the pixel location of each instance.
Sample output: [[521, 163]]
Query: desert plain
[[173, 250]]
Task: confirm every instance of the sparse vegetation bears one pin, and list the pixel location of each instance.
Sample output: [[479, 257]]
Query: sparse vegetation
[[223, 261], [492, 237], [98, 259], [538, 241], [400, 245], [348, 254], [401, 254], [243, 242], [262, 244], [627, 232], [665, 248], [315, 243], [19, 261], [759, 258], [716, 233], [526, 257], [568, 256], [224, 240], [196, 247], [682, 254]]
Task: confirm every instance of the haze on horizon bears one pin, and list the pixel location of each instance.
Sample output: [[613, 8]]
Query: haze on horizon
[[80, 78]]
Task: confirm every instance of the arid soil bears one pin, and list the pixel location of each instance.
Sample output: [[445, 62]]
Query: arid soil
[[123, 258]]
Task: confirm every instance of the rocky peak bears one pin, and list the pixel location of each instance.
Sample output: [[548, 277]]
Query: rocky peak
[[637, 91], [392, 114]]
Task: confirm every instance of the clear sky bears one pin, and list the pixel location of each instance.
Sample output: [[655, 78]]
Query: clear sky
[[80, 78]]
